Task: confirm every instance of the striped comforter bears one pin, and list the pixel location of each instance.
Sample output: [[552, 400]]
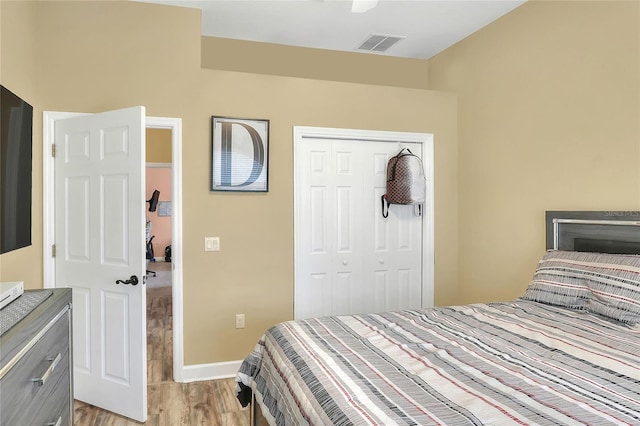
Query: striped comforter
[[510, 363]]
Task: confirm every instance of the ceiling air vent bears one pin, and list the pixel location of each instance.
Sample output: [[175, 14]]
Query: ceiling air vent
[[380, 42]]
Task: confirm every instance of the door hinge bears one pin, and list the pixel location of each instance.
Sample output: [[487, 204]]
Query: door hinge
[[53, 150], [53, 250]]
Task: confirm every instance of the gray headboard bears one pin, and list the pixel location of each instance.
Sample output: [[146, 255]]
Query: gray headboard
[[594, 231]]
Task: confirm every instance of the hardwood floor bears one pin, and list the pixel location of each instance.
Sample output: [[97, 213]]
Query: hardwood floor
[[211, 403]]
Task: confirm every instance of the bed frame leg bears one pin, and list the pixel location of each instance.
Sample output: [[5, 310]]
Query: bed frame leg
[[252, 412]]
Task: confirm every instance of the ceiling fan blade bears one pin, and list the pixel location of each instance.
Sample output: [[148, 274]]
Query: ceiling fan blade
[[361, 6]]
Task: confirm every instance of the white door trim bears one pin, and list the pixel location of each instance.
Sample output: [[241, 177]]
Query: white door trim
[[48, 219], [426, 139]]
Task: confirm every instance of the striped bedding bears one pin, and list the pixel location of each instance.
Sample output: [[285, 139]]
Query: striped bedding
[[519, 362]]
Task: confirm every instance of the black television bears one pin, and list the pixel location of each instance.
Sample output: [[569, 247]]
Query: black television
[[16, 131]]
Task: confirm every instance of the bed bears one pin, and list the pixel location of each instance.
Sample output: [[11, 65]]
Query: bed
[[566, 352]]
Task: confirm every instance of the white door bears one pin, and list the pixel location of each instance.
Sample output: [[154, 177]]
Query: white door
[[99, 228], [349, 259]]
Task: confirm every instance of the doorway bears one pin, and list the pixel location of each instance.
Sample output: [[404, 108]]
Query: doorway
[[158, 190], [174, 125]]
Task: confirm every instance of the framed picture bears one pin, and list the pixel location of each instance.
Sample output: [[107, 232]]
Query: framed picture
[[164, 208], [239, 154]]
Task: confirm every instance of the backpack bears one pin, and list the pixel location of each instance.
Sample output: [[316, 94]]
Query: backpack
[[406, 182]]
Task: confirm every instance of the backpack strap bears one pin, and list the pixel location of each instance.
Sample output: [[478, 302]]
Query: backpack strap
[[385, 206], [417, 208]]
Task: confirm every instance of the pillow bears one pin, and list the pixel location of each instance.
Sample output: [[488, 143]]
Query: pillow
[[606, 284], [558, 281], [615, 289]]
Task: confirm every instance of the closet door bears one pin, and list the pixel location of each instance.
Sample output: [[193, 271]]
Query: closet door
[[349, 259], [392, 255]]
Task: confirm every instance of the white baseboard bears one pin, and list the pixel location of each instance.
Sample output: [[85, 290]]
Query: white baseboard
[[200, 372]]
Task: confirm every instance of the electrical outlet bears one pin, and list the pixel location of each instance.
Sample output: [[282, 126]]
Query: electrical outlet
[[239, 320], [211, 243]]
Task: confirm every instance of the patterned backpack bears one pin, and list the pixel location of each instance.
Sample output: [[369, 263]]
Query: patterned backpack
[[406, 183]]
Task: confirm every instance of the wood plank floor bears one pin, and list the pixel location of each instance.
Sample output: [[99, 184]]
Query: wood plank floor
[[211, 403]]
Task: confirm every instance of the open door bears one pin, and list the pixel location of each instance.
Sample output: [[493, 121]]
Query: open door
[[100, 254]]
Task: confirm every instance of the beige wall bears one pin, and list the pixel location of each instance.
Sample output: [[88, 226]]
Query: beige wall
[[95, 56], [18, 72], [277, 59], [549, 116], [158, 145]]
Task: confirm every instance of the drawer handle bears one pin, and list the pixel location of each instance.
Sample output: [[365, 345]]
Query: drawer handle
[[40, 381], [58, 423]]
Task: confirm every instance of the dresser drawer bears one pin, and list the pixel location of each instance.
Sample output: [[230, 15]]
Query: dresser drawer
[[24, 399]]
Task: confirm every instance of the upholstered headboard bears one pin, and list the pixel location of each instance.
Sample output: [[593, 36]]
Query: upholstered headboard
[[594, 231]]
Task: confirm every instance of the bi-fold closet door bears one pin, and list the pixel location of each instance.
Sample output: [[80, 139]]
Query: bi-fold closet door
[[349, 259]]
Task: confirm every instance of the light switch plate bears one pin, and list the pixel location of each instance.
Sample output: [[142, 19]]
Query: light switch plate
[[211, 243], [239, 320]]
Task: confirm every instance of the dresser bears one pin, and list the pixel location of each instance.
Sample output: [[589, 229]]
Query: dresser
[[36, 360]]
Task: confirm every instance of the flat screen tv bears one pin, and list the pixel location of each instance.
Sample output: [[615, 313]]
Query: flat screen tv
[[16, 119]]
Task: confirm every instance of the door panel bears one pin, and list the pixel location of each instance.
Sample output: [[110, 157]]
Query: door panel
[[99, 224], [349, 259], [318, 212], [114, 220], [81, 330], [116, 337], [76, 216]]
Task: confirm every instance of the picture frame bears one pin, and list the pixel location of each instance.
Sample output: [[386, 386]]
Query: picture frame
[[239, 154], [164, 208]]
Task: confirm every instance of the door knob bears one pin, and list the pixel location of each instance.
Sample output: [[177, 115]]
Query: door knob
[[133, 280], [345, 263]]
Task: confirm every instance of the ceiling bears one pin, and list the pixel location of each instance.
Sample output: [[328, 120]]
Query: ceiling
[[424, 27]]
